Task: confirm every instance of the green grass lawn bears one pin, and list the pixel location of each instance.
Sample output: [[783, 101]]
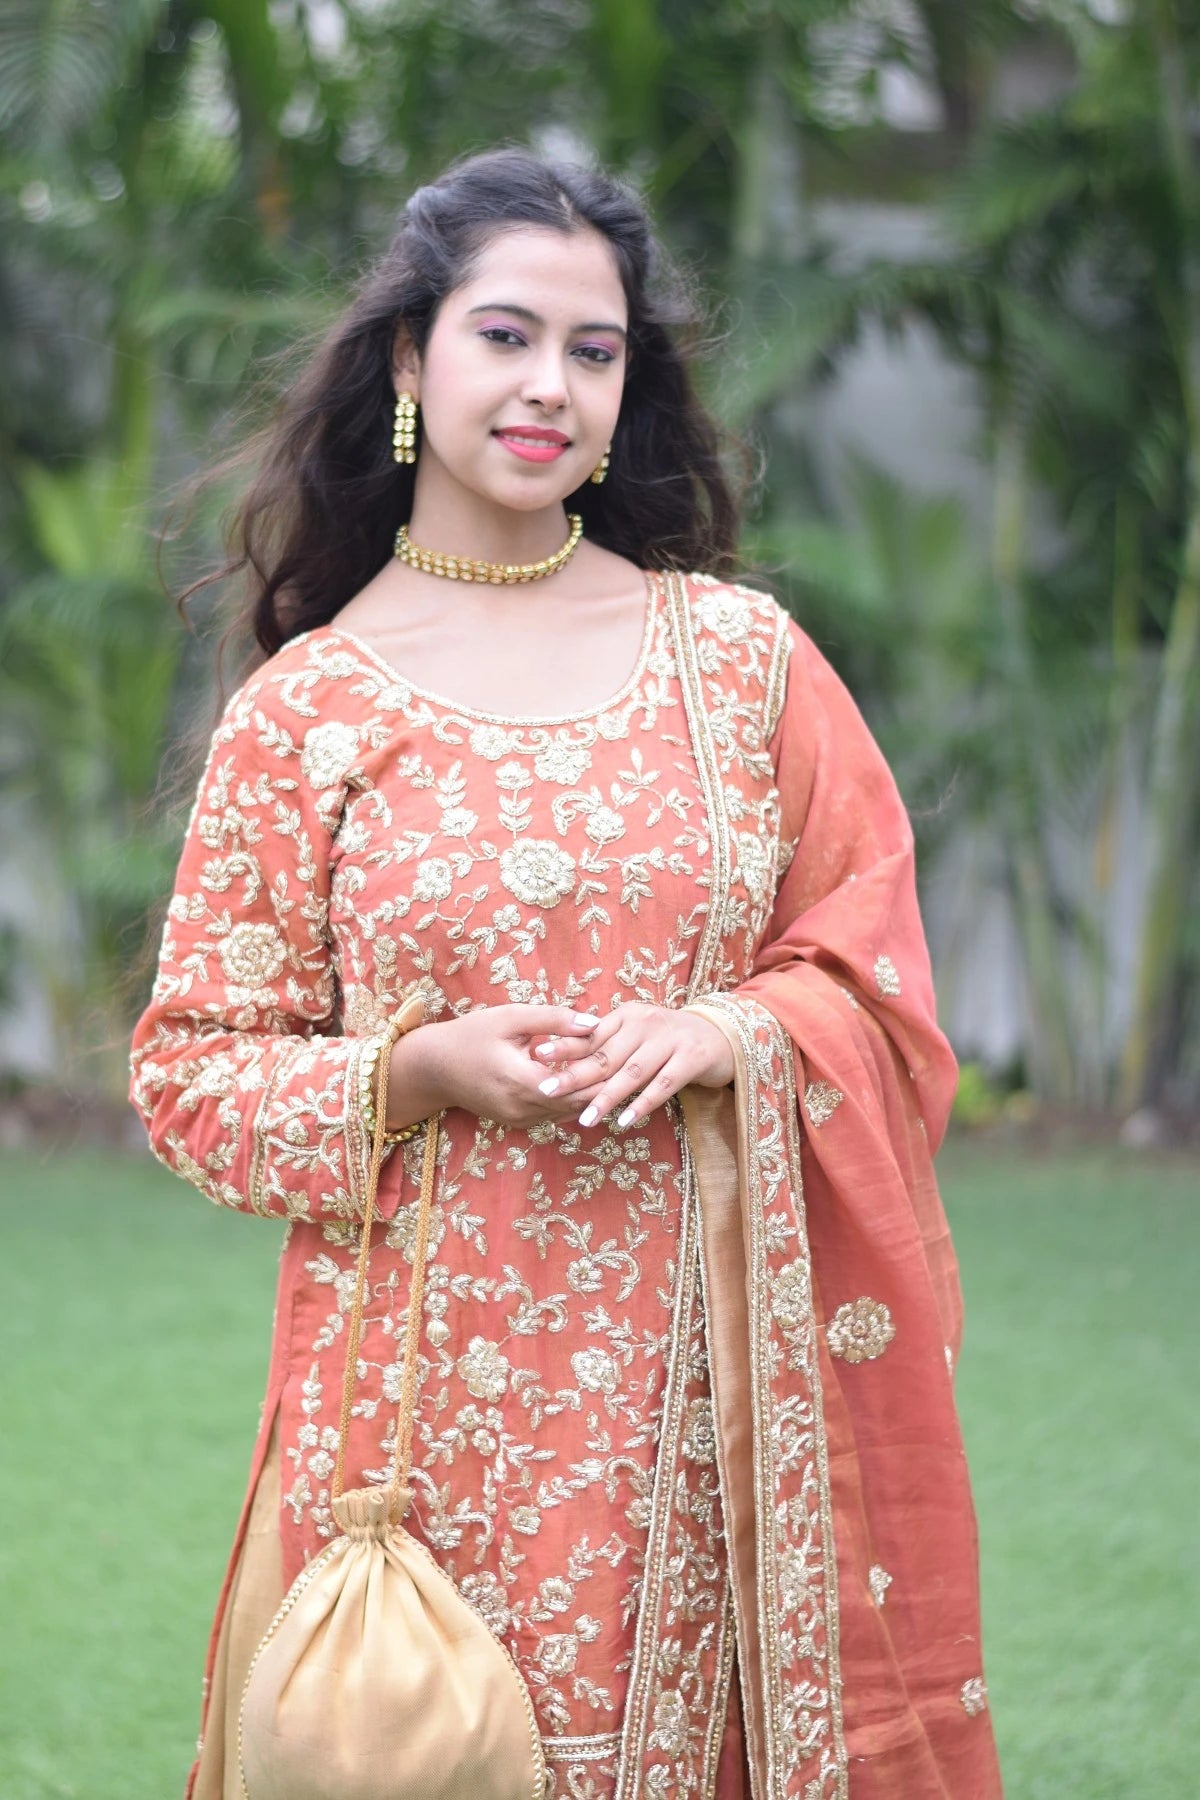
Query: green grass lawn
[[134, 1325]]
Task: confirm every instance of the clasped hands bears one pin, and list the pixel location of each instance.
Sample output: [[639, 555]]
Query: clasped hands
[[521, 1064], [638, 1053]]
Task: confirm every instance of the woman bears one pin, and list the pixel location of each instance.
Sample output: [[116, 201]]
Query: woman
[[685, 1429]]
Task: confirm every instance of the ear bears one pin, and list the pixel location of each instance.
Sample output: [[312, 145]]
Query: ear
[[406, 364]]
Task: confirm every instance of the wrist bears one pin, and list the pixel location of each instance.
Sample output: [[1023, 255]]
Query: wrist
[[418, 1083], [719, 1071]]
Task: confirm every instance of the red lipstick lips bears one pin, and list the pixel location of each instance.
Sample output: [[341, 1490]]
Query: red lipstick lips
[[535, 443]]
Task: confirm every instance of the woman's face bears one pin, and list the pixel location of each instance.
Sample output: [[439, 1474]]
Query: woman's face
[[533, 340]]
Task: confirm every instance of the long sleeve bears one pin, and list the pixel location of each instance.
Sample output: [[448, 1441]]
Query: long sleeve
[[244, 1087]]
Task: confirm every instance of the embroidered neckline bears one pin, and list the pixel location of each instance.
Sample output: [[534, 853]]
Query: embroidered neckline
[[458, 710]]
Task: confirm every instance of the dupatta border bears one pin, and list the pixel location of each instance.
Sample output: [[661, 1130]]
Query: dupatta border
[[790, 1541], [791, 1114], [637, 1724]]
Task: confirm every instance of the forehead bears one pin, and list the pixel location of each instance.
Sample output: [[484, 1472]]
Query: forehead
[[558, 272]]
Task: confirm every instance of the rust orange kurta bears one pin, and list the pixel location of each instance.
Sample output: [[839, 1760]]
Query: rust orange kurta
[[352, 834]]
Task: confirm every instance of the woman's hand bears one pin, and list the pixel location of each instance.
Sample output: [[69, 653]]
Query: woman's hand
[[647, 1051], [521, 1064], [483, 1062]]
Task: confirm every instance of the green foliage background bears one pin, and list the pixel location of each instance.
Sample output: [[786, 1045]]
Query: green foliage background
[[188, 185], [186, 188]]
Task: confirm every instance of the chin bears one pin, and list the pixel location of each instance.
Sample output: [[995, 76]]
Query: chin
[[528, 500]]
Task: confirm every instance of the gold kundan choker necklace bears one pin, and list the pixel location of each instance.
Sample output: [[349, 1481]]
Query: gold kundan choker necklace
[[470, 568]]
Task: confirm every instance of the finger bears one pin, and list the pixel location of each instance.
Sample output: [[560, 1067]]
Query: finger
[[670, 1078], [566, 1107], [604, 1029], [546, 1021], [638, 1071], [565, 1112], [562, 1049], [607, 1025], [611, 1022], [586, 1059], [591, 1066]]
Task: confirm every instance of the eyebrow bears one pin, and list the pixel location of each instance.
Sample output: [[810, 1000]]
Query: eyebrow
[[523, 312]]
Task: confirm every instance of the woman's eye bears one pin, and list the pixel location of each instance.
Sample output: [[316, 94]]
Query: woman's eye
[[500, 334]]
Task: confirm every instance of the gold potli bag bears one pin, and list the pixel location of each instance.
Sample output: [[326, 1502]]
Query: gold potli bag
[[375, 1680]]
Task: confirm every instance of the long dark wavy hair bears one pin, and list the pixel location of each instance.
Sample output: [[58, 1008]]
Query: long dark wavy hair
[[319, 517]]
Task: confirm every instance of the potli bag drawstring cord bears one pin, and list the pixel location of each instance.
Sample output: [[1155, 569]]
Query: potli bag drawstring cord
[[399, 1494]]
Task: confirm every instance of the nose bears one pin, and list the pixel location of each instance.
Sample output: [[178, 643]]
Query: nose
[[545, 382]]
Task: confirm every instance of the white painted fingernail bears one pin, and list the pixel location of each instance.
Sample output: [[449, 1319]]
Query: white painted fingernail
[[544, 1050], [626, 1116], [549, 1086], [589, 1115], [588, 1019]]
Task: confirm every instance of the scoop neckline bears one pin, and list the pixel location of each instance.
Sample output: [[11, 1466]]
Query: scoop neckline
[[652, 599]]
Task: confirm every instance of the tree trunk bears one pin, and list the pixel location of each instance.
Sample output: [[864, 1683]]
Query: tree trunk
[[1115, 758], [1171, 830], [1049, 1052]]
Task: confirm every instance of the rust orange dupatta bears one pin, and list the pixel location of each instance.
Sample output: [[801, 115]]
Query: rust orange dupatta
[[833, 1307]]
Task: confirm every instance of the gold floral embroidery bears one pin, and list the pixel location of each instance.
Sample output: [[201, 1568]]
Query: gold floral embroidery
[[700, 1441], [887, 978], [563, 761], [330, 751], [491, 742], [671, 1722], [485, 1593], [435, 879], [974, 1696], [252, 956], [860, 1330], [821, 1101], [791, 1295], [595, 1371], [754, 865], [537, 872], [880, 1581], [725, 611], [484, 1370]]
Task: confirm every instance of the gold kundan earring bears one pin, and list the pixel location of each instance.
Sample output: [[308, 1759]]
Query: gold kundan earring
[[601, 470], [405, 429]]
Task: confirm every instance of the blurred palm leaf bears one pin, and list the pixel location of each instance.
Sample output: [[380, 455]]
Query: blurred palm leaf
[[60, 61]]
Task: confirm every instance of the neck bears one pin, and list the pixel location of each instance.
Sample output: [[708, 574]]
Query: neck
[[467, 524]]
